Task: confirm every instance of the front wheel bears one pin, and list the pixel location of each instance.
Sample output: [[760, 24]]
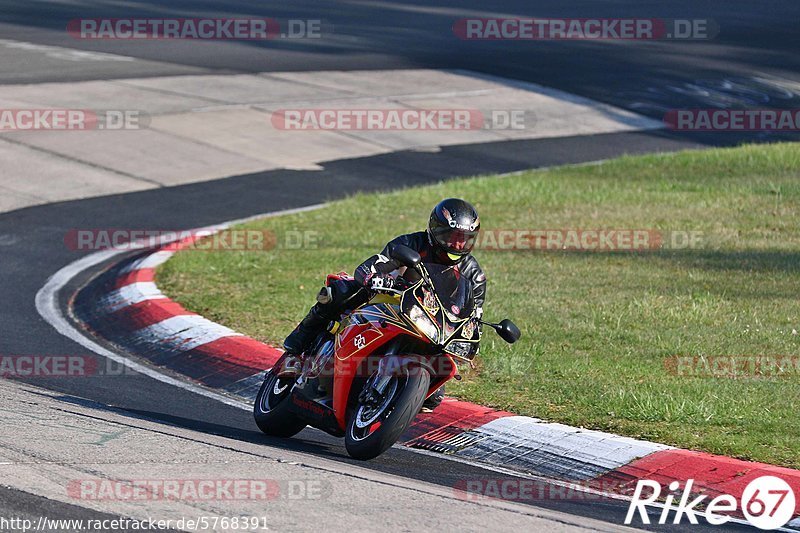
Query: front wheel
[[376, 425], [271, 408]]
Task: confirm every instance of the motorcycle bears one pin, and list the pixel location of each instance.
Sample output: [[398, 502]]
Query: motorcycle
[[367, 376]]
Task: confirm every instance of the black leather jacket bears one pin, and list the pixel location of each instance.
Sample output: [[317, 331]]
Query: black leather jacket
[[383, 264]]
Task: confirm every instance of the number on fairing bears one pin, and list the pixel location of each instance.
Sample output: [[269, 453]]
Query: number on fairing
[[360, 341]]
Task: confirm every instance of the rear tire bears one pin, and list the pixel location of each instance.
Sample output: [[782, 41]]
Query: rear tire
[[393, 421], [271, 408]]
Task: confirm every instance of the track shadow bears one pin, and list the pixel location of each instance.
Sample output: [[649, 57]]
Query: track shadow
[[299, 443]]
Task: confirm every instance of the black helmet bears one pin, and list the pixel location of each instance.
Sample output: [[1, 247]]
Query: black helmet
[[454, 227]]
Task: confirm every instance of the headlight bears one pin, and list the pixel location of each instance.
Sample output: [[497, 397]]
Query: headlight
[[461, 349], [423, 323]]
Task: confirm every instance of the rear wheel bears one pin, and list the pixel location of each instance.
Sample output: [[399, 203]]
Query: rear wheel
[[271, 408], [378, 422]]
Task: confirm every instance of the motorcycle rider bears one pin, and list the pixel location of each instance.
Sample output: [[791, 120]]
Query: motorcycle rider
[[453, 228]]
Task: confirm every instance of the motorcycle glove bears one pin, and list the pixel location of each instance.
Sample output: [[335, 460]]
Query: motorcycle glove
[[386, 281]]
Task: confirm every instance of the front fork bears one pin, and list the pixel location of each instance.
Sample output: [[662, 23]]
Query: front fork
[[374, 389], [391, 367]]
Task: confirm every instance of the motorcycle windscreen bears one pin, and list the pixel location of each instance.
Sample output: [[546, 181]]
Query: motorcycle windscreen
[[453, 289]]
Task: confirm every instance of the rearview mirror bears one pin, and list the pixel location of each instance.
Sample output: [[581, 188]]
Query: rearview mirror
[[406, 256], [508, 331]]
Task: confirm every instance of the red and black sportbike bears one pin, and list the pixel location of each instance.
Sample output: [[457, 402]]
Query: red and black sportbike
[[366, 377]]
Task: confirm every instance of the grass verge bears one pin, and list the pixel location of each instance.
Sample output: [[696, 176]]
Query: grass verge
[[599, 328]]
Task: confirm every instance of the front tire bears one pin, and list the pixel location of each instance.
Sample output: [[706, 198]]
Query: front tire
[[271, 408], [370, 432]]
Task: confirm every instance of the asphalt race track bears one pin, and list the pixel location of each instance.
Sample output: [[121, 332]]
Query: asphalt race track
[[755, 39], [37, 253]]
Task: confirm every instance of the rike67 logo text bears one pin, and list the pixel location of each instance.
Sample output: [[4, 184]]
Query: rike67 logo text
[[767, 502]]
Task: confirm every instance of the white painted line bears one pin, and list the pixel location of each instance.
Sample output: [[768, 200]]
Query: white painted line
[[184, 332], [48, 307]]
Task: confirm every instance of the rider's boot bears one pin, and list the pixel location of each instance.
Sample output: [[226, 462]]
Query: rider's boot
[[299, 341]]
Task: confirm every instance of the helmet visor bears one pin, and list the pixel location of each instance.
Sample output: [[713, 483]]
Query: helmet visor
[[455, 241]]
